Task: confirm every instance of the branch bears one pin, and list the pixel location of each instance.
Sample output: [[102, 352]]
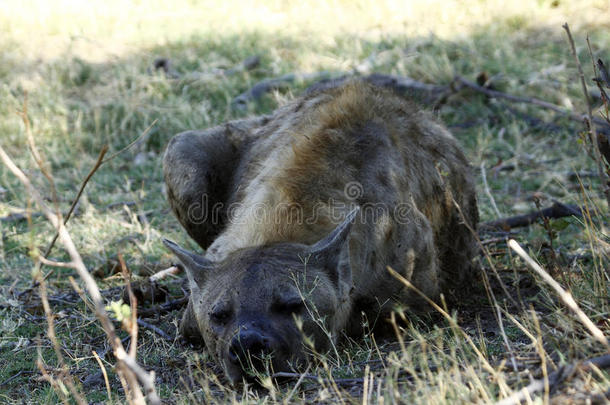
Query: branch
[[170, 271], [267, 85], [164, 308], [529, 100], [557, 210], [155, 329]]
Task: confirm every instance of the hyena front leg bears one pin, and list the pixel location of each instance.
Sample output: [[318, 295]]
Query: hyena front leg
[[198, 167]]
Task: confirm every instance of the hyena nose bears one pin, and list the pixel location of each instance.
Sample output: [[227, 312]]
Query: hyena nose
[[248, 343]]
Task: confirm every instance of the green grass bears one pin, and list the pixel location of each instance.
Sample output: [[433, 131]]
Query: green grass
[[85, 75]]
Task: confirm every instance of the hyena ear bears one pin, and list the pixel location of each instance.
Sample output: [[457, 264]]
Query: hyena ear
[[327, 252], [196, 266]]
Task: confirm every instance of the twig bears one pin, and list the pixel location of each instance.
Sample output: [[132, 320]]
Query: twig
[[592, 129], [50, 379], [128, 365], [557, 210], [324, 381], [164, 308], [170, 271], [98, 163], [555, 379], [155, 329], [520, 99], [529, 100], [135, 141], [565, 296]]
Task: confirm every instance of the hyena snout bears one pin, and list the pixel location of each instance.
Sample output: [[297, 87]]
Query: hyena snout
[[252, 349]]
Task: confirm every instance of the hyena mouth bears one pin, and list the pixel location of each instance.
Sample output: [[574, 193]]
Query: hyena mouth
[[252, 352], [253, 355]]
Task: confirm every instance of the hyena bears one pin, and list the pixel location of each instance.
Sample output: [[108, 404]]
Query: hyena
[[301, 213]]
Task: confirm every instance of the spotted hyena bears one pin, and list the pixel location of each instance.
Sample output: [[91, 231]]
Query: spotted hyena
[[300, 214]]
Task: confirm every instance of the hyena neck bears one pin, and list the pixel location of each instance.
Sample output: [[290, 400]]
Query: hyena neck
[[280, 198], [264, 218], [264, 224]]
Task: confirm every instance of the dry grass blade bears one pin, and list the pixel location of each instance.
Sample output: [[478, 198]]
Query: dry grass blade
[[104, 373], [448, 317], [565, 296], [132, 368]]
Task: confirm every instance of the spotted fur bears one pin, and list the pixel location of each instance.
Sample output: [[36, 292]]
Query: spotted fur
[[283, 180]]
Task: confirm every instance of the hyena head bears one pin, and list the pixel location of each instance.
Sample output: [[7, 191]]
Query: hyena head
[[257, 308]]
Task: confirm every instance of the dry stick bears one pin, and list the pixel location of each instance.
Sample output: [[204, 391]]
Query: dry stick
[[565, 296], [135, 141], [145, 378], [98, 163], [104, 373], [529, 100], [557, 210], [170, 271], [592, 129], [555, 378], [155, 329], [164, 308]]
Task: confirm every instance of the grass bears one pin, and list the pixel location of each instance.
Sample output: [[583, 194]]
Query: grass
[[84, 71]]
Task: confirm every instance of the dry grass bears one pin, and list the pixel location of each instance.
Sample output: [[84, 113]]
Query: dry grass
[[84, 67]]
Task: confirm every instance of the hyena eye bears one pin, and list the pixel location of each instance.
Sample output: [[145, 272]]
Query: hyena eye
[[220, 315], [289, 306]]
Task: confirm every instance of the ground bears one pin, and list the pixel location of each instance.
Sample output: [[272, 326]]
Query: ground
[[84, 71]]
